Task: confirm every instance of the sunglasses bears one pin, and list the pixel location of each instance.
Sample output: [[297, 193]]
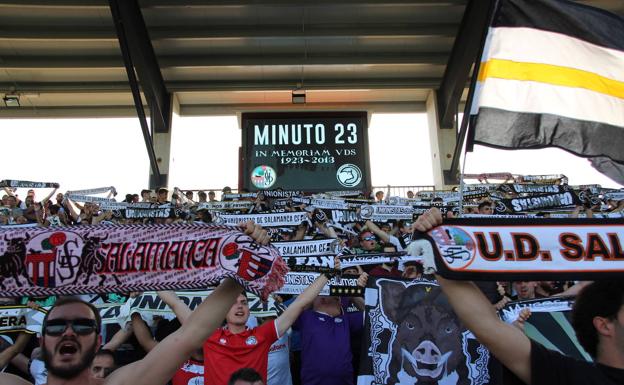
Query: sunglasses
[[369, 238], [80, 326]]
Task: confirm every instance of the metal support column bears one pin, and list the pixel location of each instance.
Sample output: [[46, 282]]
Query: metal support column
[[138, 55]]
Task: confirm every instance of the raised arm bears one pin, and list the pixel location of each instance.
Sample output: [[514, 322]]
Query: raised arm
[[506, 342], [119, 338], [319, 219], [182, 199], [301, 231], [377, 231], [329, 232], [12, 379], [72, 211], [47, 198], [10, 352], [181, 310], [105, 216], [39, 211], [78, 205], [305, 299], [142, 333], [21, 362]]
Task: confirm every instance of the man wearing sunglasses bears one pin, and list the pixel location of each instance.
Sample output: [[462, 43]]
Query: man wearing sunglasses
[[368, 242], [373, 239], [70, 338]]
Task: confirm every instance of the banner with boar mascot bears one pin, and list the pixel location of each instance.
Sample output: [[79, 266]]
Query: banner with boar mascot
[[412, 336]]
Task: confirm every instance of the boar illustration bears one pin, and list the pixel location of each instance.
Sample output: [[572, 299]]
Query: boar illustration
[[428, 342]]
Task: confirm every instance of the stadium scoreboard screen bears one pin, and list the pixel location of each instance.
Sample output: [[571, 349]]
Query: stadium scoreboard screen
[[305, 151]]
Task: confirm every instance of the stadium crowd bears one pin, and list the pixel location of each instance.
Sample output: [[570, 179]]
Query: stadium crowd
[[316, 339]]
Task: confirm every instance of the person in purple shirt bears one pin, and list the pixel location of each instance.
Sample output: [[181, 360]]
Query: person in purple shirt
[[326, 340]]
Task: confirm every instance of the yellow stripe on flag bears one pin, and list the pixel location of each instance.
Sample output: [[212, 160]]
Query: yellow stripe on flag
[[550, 74]]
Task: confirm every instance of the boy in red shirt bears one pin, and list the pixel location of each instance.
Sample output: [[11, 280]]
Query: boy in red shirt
[[235, 346]]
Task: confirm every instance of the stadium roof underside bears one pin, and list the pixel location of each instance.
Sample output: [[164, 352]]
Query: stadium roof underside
[[63, 58]]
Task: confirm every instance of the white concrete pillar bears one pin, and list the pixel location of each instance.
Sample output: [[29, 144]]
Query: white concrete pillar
[[162, 147], [441, 142]]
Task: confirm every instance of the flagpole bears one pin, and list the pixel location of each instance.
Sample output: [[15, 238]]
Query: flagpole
[[473, 82]]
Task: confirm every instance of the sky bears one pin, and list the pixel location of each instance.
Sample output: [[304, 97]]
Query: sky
[[90, 153]]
